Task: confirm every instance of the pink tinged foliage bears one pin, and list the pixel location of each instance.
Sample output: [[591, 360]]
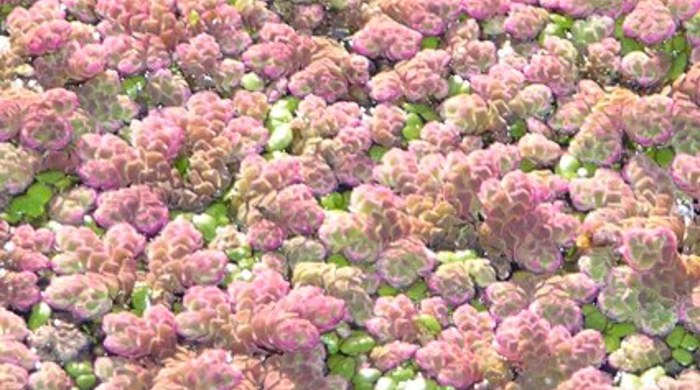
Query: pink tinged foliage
[[639, 352], [470, 114], [383, 37], [429, 18], [470, 58], [644, 69], [451, 360], [19, 290], [390, 355], [522, 221], [13, 377], [136, 205], [649, 120], [393, 319], [72, 206], [50, 376], [85, 296], [386, 124], [104, 161], [647, 249], [279, 54], [87, 62], [650, 22], [130, 336], [265, 235], [589, 378], [465, 175], [12, 326], [524, 22], [211, 369], [532, 344], [686, 174], [418, 79], [404, 261], [553, 70], [47, 125], [482, 10], [158, 133], [310, 303], [539, 149]]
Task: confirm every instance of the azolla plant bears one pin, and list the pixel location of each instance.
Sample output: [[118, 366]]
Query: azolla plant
[[350, 194]]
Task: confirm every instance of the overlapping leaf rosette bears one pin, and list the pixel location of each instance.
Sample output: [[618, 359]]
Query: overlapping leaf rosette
[[636, 221], [336, 194], [524, 220]]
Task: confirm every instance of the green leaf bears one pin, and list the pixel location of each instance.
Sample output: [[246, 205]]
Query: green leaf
[[86, 382], [376, 152], [428, 323], [527, 165], [619, 31], [664, 156], [567, 167], [417, 291], [357, 344], [140, 299], [338, 260], [621, 330], [457, 86], [331, 341], [517, 130], [425, 111], [50, 177], [562, 21], [678, 66], [133, 86], [590, 169], [430, 43], [366, 375], [76, 369], [26, 206], [279, 114], [247, 262], [596, 321], [219, 211], [629, 45], [682, 356], [401, 374], [478, 305], [551, 30], [679, 43], [11, 217], [40, 315], [40, 192], [385, 290], [411, 133], [65, 183], [280, 138], [333, 201], [342, 365], [690, 342], [252, 82], [414, 120], [239, 253], [182, 164], [612, 343], [675, 337], [206, 224]]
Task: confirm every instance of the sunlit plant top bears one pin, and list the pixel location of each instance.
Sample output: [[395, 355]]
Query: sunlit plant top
[[349, 194]]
